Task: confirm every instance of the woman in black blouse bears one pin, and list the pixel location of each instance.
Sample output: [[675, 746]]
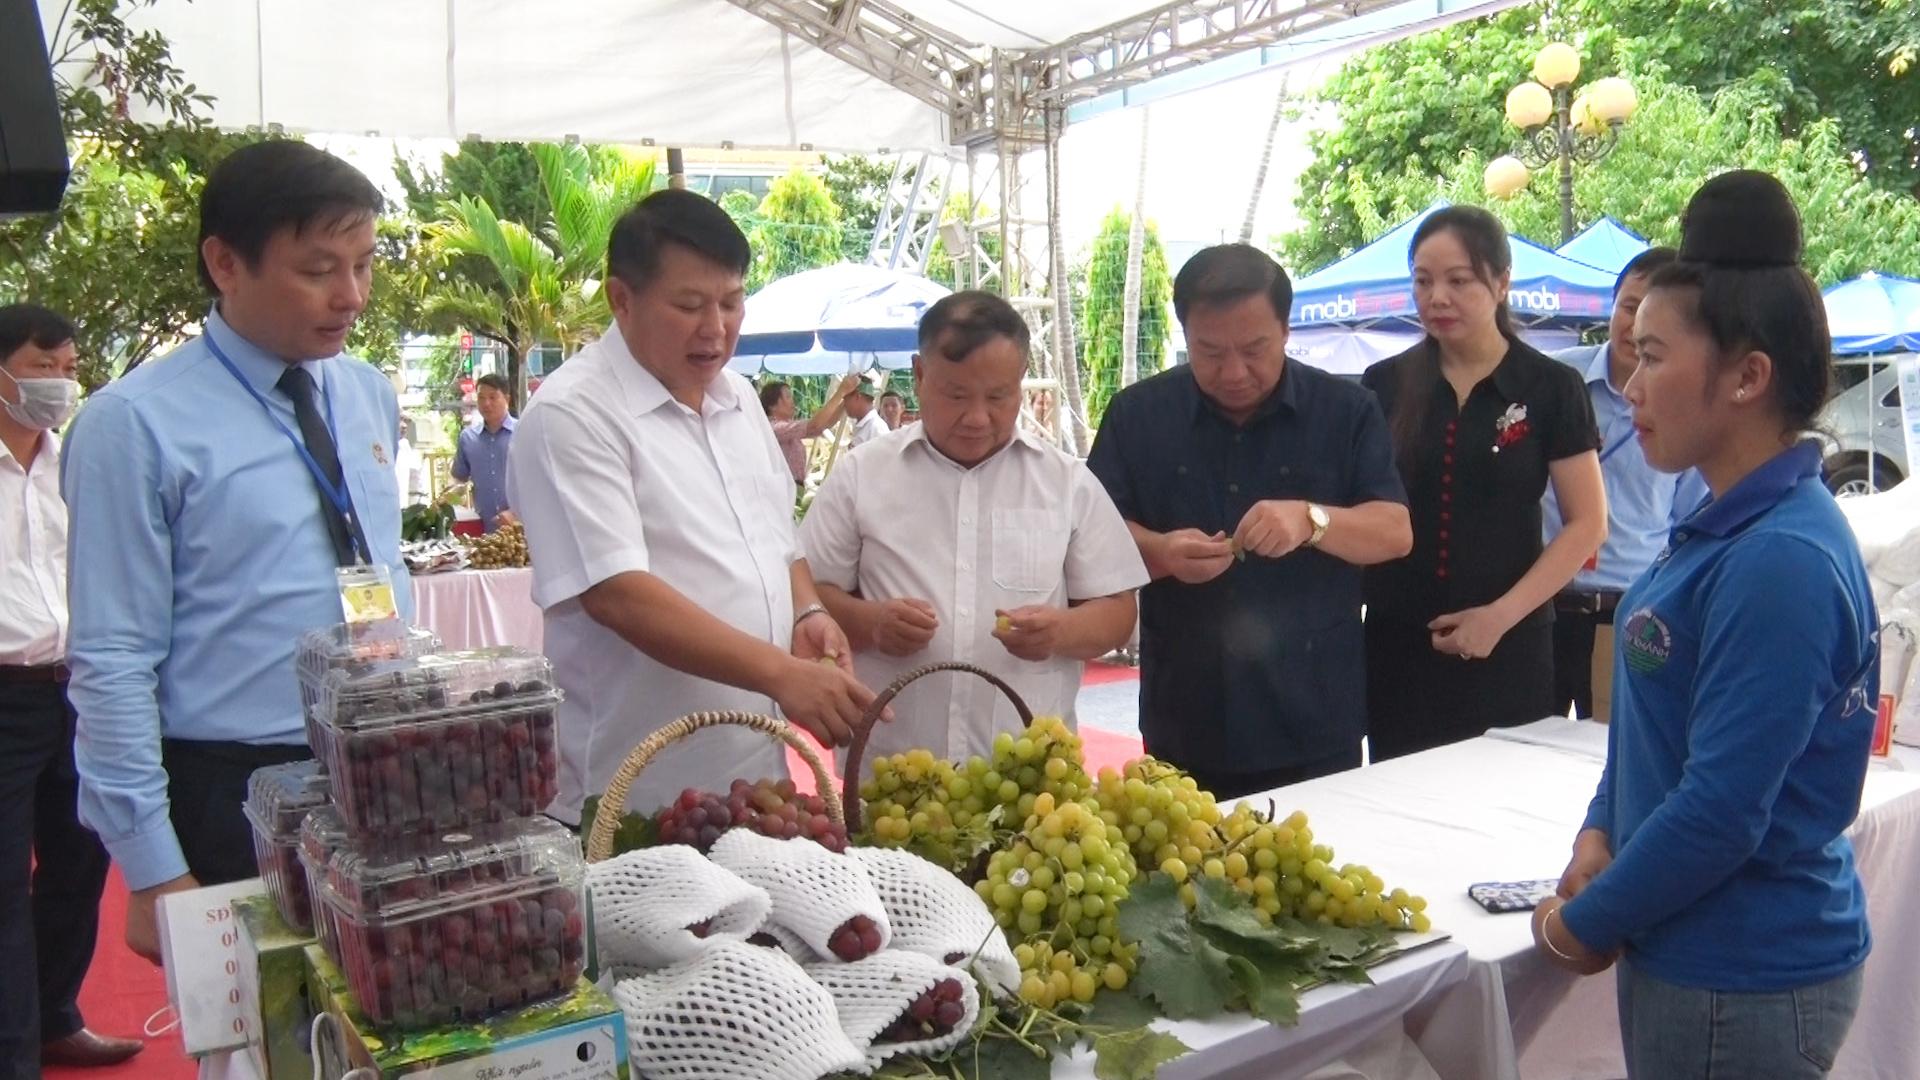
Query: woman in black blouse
[[1459, 633]]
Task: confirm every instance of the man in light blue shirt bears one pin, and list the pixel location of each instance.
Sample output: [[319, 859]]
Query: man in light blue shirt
[[482, 452], [212, 494], [1643, 504]]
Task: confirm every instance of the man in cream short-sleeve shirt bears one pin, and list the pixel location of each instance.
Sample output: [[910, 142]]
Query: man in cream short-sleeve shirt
[[659, 513], [963, 538]]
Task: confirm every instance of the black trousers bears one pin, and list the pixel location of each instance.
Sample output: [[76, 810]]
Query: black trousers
[[1232, 785], [1418, 698], [52, 870], [1573, 637], [207, 786]]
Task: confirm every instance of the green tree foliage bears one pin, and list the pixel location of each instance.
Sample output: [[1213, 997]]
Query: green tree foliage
[[858, 185], [118, 257], [1101, 314], [504, 174], [1679, 140], [1415, 106], [542, 281], [796, 227]]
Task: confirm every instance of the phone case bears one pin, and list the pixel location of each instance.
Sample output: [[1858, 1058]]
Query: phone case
[[1505, 896]]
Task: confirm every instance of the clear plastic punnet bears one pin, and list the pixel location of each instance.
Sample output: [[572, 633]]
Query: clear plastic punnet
[[433, 743], [354, 647], [322, 832], [459, 926], [278, 798]]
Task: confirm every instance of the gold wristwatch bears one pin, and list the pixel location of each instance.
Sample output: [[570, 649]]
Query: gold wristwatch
[[1321, 519]]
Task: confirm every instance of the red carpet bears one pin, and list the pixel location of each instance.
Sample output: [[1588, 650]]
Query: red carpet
[[123, 990]]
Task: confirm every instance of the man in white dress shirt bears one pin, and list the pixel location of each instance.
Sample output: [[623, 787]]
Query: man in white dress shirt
[[963, 538], [868, 424], [52, 868], [659, 513]]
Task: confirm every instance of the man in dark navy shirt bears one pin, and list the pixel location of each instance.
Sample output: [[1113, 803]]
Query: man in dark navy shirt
[[1256, 489]]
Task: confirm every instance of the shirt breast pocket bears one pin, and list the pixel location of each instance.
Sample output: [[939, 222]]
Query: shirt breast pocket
[[1029, 550]]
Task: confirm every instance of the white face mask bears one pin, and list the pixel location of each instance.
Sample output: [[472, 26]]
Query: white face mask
[[44, 403]]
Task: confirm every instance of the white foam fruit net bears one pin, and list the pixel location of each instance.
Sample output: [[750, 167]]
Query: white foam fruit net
[[814, 891], [871, 994], [735, 1012], [646, 904], [935, 914]]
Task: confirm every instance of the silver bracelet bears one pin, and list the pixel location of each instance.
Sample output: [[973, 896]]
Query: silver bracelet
[[809, 611], [1546, 937]]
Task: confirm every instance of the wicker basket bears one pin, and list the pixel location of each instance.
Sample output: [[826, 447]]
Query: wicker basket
[[613, 803], [850, 793]]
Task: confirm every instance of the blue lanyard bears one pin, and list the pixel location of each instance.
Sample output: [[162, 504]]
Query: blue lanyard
[[339, 496], [1617, 444]]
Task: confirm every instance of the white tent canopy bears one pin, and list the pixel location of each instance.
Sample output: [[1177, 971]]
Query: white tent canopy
[[664, 72]]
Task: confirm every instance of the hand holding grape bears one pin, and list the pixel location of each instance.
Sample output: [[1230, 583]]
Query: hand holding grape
[[1274, 528], [1030, 633], [825, 701], [1195, 557]]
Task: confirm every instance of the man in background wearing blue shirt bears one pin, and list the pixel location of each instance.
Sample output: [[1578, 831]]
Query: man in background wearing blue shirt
[[482, 453], [1642, 502], [212, 495]]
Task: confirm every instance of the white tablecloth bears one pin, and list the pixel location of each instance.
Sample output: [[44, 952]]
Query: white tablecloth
[[1505, 808], [475, 609]]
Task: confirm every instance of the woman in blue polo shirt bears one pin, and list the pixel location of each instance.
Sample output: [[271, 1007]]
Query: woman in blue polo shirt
[[1714, 861]]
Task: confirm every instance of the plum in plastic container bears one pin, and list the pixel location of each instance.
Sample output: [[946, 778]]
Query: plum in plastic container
[[440, 742], [322, 832], [278, 798], [351, 647], [457, 927]]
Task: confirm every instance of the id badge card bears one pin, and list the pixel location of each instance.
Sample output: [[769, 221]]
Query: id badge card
[[366, 594]]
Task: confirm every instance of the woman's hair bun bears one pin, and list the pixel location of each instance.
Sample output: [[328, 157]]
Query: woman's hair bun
[[1743, 218]]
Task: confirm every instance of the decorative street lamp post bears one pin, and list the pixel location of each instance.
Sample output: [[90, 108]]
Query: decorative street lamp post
[[1559, 126]]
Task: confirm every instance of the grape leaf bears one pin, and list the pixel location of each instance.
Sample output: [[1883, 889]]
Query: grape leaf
[[1002, 1059], [1134, 1055], [1272, 997], [1181, 970], [1119, 1011]]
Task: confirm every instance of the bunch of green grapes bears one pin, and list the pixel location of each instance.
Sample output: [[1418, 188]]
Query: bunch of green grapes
[[1285, 873], [947, 812], [1056, 889], [1163, 815]]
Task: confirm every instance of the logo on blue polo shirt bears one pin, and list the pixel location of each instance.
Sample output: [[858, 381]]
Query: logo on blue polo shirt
[[1649, 643]]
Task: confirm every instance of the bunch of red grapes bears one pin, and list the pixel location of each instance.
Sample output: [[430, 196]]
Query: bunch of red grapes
[[934, 1013], [772, 808]]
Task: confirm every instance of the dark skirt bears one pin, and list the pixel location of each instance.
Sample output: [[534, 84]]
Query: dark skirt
[[1418, 698]]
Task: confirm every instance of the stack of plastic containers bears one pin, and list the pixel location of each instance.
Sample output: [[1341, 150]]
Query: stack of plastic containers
[[436, 888], [412, 846]]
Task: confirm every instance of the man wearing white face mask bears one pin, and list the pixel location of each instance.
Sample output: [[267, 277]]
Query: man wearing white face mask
[[52, 868]]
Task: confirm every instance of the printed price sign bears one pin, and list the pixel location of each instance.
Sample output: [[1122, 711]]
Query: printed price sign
[[199, 942]]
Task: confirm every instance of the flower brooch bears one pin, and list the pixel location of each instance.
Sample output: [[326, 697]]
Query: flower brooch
[[1511, 427]]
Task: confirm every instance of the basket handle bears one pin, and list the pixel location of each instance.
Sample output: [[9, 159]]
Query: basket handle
[[613, 803], [850, 787]]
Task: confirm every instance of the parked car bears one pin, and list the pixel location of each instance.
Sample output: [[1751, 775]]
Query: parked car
[[1861, 426]]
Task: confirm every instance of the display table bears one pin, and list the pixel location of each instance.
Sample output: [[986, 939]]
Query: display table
[[1505, 807], [475, 609]]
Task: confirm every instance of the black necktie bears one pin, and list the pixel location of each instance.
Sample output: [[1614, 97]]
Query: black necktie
[[299, 388]]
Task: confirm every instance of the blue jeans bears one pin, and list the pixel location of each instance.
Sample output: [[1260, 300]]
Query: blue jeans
[[1679, 1033]]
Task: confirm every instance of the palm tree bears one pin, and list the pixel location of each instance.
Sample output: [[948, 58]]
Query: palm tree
[[536, 282]]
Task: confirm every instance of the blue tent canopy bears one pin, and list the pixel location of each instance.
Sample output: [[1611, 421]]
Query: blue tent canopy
[[1874, 313], [834, 320], [1605, 245], [1373, 287]]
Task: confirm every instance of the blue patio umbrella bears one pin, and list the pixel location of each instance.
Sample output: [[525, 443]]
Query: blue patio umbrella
[[1373, 287], [837, 319], [1605, 245], [1874, 313]]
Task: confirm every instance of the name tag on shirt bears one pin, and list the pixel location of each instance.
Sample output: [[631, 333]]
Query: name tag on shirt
[[366, 594]]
